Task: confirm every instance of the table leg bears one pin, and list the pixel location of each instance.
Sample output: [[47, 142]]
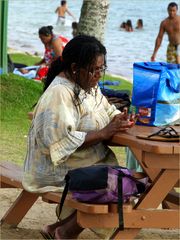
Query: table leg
[[151, 173], [158, 190], [19, 208]]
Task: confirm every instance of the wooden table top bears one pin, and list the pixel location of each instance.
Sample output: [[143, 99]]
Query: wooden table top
[[129, 139]]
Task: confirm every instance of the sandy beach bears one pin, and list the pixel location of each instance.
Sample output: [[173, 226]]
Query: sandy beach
[[43, 213]]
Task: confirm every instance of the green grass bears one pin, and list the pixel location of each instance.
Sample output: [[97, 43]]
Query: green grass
[[29, 60], [124, 85], [17, 98], [18, 95]]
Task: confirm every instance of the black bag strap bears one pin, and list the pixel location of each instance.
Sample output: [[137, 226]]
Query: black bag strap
[[120, 195], [64, 194], [140, 185], [120, 201]]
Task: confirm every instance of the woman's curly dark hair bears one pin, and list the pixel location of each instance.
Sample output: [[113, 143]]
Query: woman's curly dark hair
[[81, 50]]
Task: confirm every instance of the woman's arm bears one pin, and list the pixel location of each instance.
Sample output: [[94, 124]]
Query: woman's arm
[[57, 47], [119, 123]]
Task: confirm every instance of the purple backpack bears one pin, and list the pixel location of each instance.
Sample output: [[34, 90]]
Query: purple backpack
[[102, 184]]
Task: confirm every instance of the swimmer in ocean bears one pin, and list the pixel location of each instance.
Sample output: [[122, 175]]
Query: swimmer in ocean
[[61, 11]]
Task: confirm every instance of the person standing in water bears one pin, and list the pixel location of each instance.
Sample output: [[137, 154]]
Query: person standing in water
[[61, 11], [129, 27], [139, 24], [170, 25]]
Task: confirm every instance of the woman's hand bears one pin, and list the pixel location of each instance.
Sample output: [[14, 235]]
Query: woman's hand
[[121, 122]]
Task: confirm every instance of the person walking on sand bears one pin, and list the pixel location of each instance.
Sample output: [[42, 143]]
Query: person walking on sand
[[61, 11], [170, 25]]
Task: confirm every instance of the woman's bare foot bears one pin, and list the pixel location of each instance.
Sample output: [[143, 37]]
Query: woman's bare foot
[[61, 227], [50, 229], [69, 230]]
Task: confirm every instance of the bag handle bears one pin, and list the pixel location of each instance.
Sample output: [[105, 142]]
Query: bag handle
[[155, 63], [64, 194], [172, 85]]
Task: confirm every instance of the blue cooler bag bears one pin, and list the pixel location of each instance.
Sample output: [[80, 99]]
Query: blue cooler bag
[[156, 93]]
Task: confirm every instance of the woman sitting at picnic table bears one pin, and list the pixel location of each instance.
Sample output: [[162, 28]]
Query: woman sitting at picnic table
[[71, 124]]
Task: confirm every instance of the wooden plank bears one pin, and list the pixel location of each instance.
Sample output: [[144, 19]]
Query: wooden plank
[[86, 207], [146, 145], [177, 150], [19, 208], [150, 172], [152, 219], [113, 207], [157, 192], [11, 175], [51, 197], [134, 219], [163, 161], [8, 181], [129, 139]]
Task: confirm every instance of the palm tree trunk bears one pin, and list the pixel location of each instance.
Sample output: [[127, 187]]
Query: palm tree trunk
[[93, 18]]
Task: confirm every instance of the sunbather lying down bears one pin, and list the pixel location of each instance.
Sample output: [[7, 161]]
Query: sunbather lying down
[[32, 72], [27, 72]]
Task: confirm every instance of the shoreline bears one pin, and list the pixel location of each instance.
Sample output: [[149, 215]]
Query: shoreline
[[13, 51], [36, 54]]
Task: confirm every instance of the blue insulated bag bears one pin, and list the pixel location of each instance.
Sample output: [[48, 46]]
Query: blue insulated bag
[[156, 93]]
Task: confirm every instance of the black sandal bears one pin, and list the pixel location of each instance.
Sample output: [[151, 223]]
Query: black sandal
[[47, 235], [166, 132]]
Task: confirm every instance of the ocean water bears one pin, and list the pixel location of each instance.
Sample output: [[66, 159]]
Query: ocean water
[[123, 48]]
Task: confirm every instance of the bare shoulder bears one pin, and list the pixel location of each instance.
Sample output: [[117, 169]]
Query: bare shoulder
[[57, 9], [56, 41], [164, 22], [163, 25]]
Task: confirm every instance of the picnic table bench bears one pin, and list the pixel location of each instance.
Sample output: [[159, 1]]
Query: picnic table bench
[[11, 177]]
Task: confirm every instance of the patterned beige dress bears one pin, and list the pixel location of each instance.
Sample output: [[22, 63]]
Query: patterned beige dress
[[58, 130]]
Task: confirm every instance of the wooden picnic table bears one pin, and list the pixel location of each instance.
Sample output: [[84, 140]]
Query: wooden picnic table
[[160, 161]]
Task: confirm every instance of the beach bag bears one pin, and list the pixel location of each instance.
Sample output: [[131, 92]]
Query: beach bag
[[102, 184], [156, 93]]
